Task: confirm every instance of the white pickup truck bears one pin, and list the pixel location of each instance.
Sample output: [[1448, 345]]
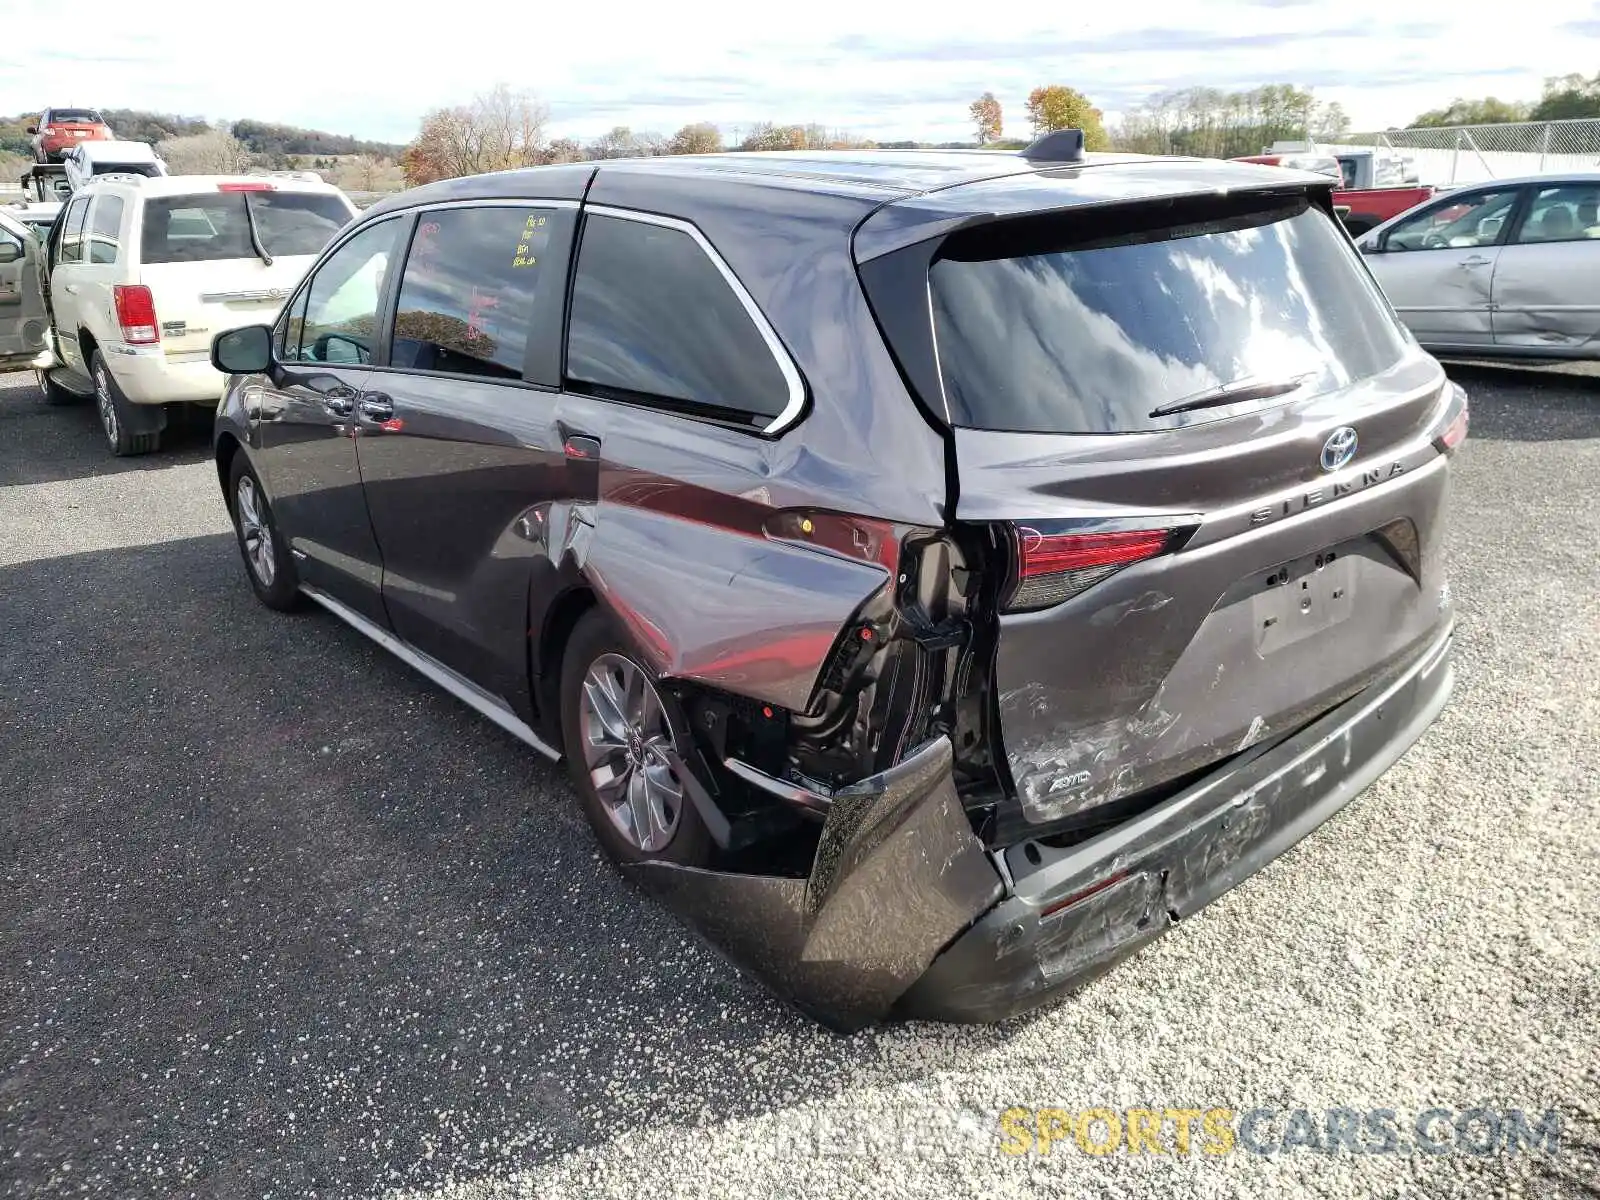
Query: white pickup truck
[[88, 160], [141, 273]]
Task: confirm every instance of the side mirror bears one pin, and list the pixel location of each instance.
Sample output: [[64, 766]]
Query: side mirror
[[246, 351], [10, 252], [32, 129]]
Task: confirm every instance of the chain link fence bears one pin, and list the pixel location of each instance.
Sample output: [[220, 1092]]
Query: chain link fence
[[1474, 153]]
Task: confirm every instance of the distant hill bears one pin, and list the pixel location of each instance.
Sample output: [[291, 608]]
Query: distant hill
[[259, 137]]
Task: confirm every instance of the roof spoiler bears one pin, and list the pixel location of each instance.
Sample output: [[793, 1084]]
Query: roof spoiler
[[1059, 146]]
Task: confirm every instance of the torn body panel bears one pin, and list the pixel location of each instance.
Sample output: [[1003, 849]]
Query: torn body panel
[[1205, 652], [1073, 913], [762, 618], [898, 873]]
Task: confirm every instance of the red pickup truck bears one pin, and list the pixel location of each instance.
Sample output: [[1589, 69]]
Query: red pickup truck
[[1374, 184]]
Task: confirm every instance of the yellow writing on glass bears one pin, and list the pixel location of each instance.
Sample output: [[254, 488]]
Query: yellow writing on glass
[[1101, 1131]]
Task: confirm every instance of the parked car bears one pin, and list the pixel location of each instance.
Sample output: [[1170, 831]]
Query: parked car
[[93, 159], [45, 183], [37, 216], [1322, 164], [59, 129], [1510, 267], [23, 325], [141, 273], [931, 683], [1374, 184]]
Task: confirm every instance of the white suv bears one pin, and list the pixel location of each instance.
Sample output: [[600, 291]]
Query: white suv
[[141, 274]]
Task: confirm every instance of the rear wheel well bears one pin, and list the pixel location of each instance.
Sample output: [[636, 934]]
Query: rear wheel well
[[86, 345], [559, 622]]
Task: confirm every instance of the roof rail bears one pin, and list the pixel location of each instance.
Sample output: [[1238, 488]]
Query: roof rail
[[301, 176], [1058, 146], [114, 177]]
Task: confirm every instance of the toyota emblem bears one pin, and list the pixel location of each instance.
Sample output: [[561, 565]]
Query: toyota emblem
[[1339, 449]]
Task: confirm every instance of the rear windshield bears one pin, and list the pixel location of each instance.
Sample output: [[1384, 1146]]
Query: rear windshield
[[216, 225], [74, 116], [112, 168], [1043, 333]]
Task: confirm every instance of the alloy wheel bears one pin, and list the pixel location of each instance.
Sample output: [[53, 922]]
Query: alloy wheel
[[254, 532], [629, 751]]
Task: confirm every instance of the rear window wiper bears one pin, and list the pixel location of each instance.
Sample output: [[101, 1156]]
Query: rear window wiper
[[1233, 393], [255, 234]]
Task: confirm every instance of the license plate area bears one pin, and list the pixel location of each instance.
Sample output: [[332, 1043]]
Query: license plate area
[[1303, 598]]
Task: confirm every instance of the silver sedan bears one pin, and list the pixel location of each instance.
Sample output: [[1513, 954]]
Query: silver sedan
[[1510, 267]]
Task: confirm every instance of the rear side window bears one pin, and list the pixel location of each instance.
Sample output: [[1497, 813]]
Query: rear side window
[[212, 226], [72, 231], [654, 319], [466, 298], [105, 224], [1044, 333]]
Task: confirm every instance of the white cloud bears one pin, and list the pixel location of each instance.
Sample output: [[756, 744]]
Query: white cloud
[[895, 69]]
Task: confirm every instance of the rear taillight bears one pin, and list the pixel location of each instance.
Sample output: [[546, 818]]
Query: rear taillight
[[245, 187], [1052, 567], [1455, 422], [136, 313]]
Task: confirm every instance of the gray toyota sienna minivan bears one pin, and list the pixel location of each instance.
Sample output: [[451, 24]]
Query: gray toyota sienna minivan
[[942, 571]]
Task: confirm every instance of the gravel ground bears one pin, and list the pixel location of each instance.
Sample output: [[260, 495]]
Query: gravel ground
[[279, 919]]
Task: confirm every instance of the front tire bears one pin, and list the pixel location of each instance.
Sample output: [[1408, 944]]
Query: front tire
[[116, 414], [267, 561], [624, 751]]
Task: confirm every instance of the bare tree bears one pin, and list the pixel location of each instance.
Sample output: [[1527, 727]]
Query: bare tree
[[214, 153], [1212, 123], [622, 142], [700, 138], [499, 130], [564, 150], [369, 173]]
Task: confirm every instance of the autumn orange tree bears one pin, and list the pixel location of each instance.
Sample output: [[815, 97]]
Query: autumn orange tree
[[1057, 107], [700, 138], [500, 129], [986, 116]]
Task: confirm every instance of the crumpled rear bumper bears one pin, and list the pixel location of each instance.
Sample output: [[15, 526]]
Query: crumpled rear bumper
[[897, 875], [1078, 911], [905, 912]]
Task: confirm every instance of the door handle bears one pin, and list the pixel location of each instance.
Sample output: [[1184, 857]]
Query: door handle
[[1476, 261], [70, 289], [340, 400], [375, 406]]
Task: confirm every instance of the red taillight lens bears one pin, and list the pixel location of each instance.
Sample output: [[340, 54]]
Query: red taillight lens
[[245, 187], [1055, 567], [136, 313], [1455, 426]]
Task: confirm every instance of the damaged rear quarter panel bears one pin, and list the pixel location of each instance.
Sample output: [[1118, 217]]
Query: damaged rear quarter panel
[[733, 610]]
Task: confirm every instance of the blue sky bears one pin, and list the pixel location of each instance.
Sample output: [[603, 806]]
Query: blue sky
[[894, 69]]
